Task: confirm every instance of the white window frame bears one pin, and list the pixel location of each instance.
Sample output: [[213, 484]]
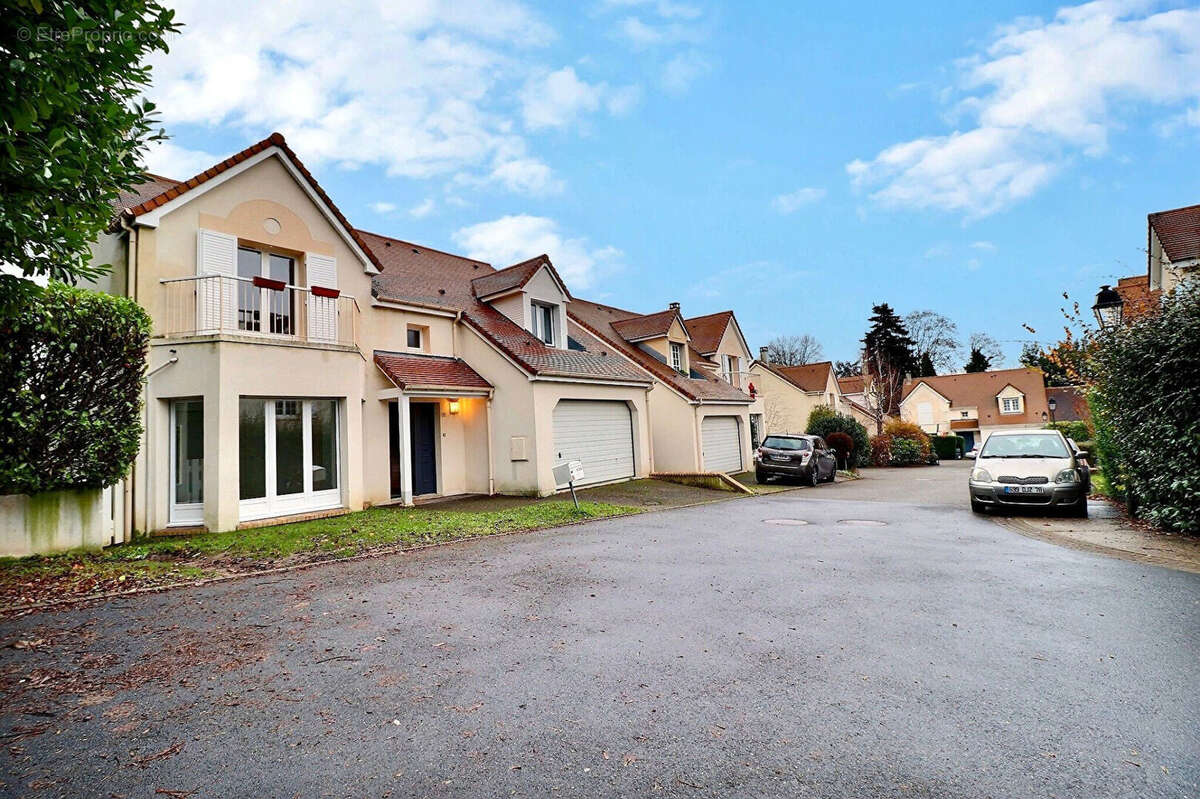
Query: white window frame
[[1016, 405], [676, 355], [265, 296], [420, 347], [181, 513], [308, 500], [544, 313]]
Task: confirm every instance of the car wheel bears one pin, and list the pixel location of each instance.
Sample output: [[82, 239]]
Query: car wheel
[[760, 478], [977, 506], [814, 476]]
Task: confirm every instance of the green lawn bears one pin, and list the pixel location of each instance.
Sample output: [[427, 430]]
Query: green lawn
[[157, 561]]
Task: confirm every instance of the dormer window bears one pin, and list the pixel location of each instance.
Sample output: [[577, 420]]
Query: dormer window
[[543, 322], [677, 356], [1010, 405]]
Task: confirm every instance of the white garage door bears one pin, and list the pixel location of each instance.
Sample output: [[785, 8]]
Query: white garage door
[[597, 433], [722, 445]]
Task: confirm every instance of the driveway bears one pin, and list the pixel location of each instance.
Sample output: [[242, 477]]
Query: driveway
[[884, 648]]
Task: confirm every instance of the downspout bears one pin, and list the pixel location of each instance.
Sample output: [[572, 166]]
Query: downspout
[[649, 432], [491, 461], [131, 251]]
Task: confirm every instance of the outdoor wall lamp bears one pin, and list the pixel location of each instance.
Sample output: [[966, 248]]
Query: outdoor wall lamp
[[1044, 416], [453, 406], [1109, 307]]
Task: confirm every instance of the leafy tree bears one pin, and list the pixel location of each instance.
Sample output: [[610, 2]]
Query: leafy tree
[[978, 362], [847, 368], [794, 350], [935, 341], [1064, 364], [888, 351], [72, 126]]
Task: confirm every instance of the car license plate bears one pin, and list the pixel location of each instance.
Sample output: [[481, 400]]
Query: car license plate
[[783, 458], [1022, 489]]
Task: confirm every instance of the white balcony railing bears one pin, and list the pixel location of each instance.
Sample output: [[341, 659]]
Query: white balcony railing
[[205, 305]]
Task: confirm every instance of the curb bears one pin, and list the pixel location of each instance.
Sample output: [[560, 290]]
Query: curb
[[1021, 527], [70, 602]]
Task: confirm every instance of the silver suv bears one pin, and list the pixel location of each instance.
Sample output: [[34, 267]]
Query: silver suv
[[1030, 468]]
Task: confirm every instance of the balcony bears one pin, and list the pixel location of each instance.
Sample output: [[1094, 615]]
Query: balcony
[[255, 308]]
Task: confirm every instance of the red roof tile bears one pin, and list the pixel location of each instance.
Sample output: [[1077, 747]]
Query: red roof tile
[[417, 274], [1139, 298], [655, 325], [602, 320], [852, 385], [178, 188], [807, 377], [514, 277], [408, 371], [1178, 231], [979, 390], [707, 331]]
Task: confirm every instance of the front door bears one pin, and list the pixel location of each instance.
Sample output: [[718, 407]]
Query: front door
[[423, 419], [968, 440]]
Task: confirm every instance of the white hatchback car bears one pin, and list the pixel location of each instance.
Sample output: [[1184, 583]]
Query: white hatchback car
[[1030, 468]]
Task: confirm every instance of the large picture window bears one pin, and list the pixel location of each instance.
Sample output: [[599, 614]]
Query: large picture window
[[288, 456]]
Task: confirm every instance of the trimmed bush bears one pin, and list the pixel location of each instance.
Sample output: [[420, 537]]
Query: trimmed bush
[[949, 448], [843, 445], [881, 450], [908, 431], [1077, 430], [823, 421], [906, 452], [1146, 409], [71, 366]]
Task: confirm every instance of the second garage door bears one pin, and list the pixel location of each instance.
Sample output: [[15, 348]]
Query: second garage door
[[597, 433], [722, 444]]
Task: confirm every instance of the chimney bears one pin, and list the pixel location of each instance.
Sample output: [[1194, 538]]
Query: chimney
[[762, 354], [673, 306]]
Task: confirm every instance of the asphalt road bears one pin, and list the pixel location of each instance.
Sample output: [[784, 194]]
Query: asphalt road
[[882, 649]]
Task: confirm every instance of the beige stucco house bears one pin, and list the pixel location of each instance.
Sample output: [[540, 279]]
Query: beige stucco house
[[299, 366], [699, 421], [975, 405], [788, 394], [1172, 247]]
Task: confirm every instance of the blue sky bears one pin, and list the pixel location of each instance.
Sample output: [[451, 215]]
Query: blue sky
[[793, 162]]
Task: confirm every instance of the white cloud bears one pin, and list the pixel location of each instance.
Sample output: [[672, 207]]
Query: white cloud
[[556, 99], [1039, 94], [642, 34], [383, 207], [794, 201], [664, 8], [418, 89], [511, 239], [526, 176], [938, 251], [682, 70], [986, 246], [170, 160], [422, 209]]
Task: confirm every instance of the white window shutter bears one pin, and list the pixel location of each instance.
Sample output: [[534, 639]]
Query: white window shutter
[[322, 311], [216, 297]]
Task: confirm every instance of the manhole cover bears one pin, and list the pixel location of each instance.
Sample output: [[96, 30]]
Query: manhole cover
[[791, 522], [862, 522]]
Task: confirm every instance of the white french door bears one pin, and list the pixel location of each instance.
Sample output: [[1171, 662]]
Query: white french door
[[187, 462], [289, 453]]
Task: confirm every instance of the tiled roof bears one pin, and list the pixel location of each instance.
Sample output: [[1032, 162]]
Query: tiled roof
[[852, 385], [174, 189], [514, 277], [601, 320], [707, 331], [414, 273], [637, 328], [407, 370], [808, 377], [979, 390], [1139, 298], [1178, 231], [151, 186], [1070, 403]]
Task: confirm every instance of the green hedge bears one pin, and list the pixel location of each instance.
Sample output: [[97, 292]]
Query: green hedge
[[1077, 430], [949, 448], [1146, 409], [823, 421], [71, 366]]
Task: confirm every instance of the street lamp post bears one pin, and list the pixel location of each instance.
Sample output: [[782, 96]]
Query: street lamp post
[[1052, 404], [1109, 307]]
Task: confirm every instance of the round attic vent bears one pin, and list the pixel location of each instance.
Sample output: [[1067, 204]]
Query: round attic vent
[[271, 225]]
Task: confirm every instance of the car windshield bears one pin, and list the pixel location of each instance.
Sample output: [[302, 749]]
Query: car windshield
[[791, 444], [1030, 446]]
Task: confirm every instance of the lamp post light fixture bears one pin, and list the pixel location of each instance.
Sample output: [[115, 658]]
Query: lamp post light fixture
[[1109, 307], [1044, 417], [1052, 404]]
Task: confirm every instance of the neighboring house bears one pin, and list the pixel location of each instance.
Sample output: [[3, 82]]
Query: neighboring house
[[857, 404], [1138, 298], [1173, 246], [698, 421], [1067, 404], [301, 367], [789, 393], [976, 405], [718, 337]]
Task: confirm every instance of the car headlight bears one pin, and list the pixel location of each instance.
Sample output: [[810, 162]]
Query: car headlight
[[1067, 476], [980, 476]]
